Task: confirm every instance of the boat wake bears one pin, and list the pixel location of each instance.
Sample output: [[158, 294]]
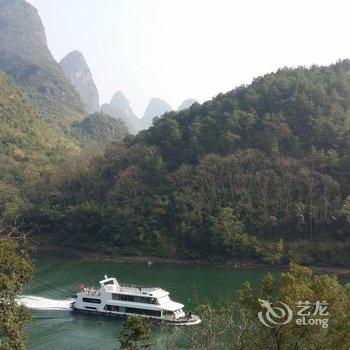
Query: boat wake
[[41, 303]]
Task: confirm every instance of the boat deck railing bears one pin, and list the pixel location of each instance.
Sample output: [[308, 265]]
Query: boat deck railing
[[136, 289], [125, 288], [92, 291]]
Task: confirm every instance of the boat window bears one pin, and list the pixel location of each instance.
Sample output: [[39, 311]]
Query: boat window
[[115, 296], [126, 297], [109, 282], [146, 300], [90, 308], [134, 298], [91, 300], [169, 313], [132, 310], [111, 308]]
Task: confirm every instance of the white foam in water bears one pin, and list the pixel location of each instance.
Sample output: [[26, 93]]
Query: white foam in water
[[40, 303]]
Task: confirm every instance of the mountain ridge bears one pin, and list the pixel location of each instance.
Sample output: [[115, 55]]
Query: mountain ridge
[[119, 107], [186, 104], [78, 72], [25, 56], [156, 108]]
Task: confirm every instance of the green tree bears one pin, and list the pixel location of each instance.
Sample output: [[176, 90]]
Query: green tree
[[218, 330], [227, 233], [136, 334], [298, 284], [236, 326], [15, 271], [345, 210]]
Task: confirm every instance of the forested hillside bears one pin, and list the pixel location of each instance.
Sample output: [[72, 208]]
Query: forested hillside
[[27, 145], [261, 172], [100, 128]]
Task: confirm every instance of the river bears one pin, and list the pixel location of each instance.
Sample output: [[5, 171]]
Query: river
[[57, 278]]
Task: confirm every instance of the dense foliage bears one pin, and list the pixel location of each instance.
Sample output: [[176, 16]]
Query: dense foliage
[[15, 271], [27, 145], [99, 127], [238, 327], [136, 334], [261, 172]]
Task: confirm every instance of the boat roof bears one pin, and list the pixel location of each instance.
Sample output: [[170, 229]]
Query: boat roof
[[172, 306], [111, 285]]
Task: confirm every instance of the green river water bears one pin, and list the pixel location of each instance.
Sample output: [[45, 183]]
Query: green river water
[[57, 278]]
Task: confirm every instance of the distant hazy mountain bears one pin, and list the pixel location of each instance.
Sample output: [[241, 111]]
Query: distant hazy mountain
[[119, 108], [77, 71], [24, 55], [156, 108], [186, 104], [120, 101]]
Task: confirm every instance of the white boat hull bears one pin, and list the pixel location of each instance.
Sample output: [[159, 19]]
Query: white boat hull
[[184, 321]]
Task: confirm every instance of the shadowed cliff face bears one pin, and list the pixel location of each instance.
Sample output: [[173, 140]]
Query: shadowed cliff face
[[155, 108], [77, 71], [24, 55]]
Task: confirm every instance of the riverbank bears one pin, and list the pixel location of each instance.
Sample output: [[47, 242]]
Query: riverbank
[[248, 264], [90, 255]]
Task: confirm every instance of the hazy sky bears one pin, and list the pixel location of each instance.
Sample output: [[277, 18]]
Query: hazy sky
[[178, 49]]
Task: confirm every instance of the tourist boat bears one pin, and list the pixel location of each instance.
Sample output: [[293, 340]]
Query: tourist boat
[[114, 299]]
